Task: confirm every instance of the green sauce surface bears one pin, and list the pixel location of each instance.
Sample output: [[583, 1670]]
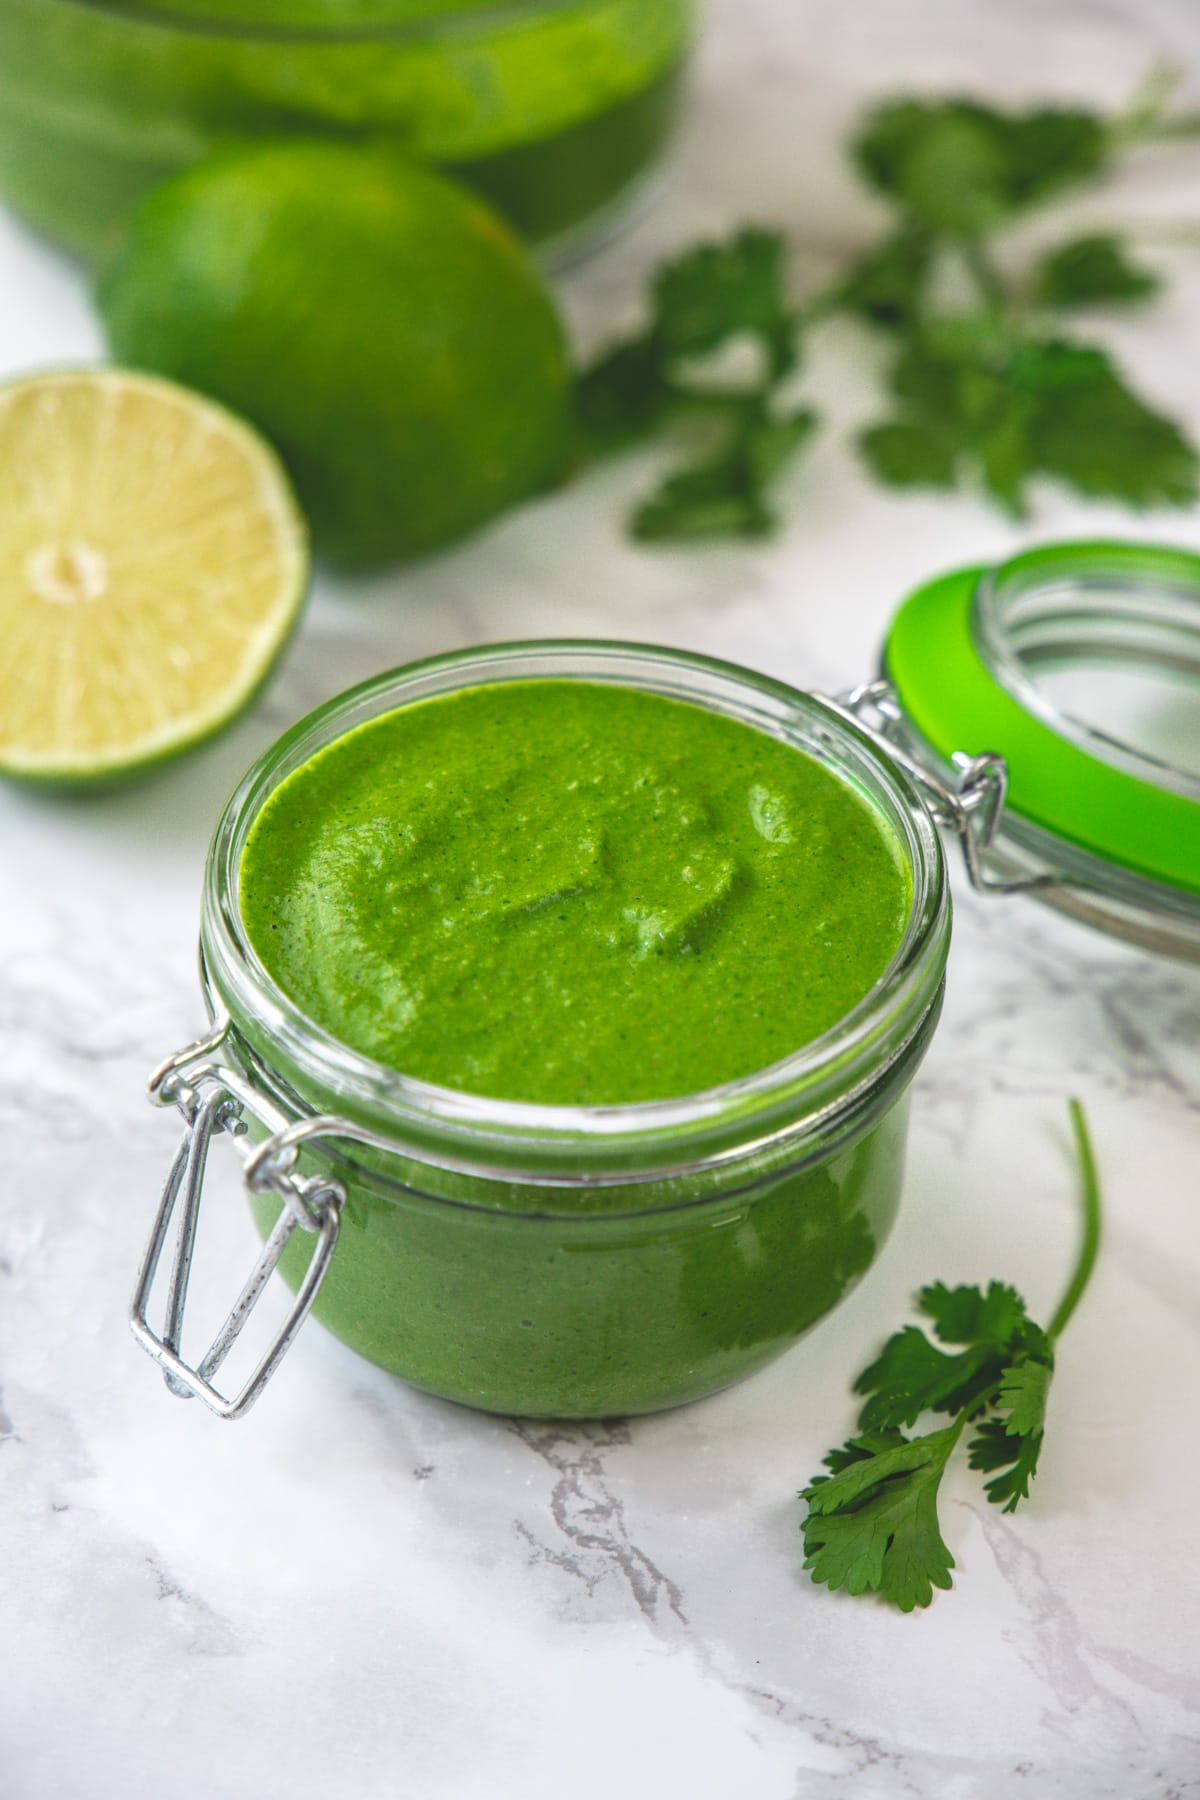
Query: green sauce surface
[[571, 893]]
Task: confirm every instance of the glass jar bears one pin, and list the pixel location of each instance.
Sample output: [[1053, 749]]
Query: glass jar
[[550, 1260], [554, 109]]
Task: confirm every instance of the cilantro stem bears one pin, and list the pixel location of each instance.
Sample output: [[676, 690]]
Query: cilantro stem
[[1160, 131], [1143, 113], [1090, 1242]]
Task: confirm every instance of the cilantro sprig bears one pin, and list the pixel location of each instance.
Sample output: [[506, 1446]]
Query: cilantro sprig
[[988, 386], [701, 303], [872, 1522]]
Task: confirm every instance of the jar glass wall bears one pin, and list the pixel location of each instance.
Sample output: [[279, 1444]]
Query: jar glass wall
[[581, 1261], [553, 109]]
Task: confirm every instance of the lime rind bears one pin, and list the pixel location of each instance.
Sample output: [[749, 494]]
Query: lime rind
[[380, 324]]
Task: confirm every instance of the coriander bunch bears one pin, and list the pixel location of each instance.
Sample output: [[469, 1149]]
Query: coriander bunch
[[987, 383]]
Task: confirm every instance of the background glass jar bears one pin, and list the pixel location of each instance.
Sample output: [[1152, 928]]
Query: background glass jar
[[553, 109], [572, 1261]]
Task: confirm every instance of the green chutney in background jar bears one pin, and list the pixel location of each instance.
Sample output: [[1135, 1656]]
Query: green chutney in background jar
[[555, 110]]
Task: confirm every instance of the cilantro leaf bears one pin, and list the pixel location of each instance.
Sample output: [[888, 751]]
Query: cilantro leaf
[[701, 301], [1016, 1457], [888, 284], [726, 493], [622, 397], [945, 168], [964, 1315], [873, 1525], [1091, 431], [859, 1448], [1049, 148], [707, 499], [1092, 271], [977, 400], [962, 168], [952, 378], [720, 291], [959, 413], [1022, 1396], [1012, 1441], [911, 1376], [910, 453], [1003, 452]]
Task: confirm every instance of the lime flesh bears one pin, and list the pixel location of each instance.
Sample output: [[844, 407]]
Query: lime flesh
[[152, 564]]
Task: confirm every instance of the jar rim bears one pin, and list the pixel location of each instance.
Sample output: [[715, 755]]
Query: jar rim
[[809, 1090], [1063, 602]]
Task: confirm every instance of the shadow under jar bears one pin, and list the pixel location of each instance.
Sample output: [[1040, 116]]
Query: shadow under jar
[[555, 110], [553, 1260]]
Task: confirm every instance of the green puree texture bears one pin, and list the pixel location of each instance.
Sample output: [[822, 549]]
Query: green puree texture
[[565, 892]]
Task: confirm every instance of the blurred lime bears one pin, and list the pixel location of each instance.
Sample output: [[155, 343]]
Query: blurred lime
[[382, 326], [152, 563]]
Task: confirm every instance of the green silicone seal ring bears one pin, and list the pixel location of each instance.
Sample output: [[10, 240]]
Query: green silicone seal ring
[[954, 654]]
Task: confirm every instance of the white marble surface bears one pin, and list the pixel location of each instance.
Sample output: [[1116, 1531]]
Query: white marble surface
[[365, 1592]]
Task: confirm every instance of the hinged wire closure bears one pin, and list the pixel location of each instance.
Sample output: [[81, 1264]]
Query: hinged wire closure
[[971, 809], [216, 1099]]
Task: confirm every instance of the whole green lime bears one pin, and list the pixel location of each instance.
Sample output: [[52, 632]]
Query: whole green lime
[[379, 324]]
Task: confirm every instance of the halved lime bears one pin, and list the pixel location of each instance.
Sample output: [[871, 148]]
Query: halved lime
[[152, 563]]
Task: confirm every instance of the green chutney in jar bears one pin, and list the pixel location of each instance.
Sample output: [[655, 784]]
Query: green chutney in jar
[[572, 894], [569, 894]]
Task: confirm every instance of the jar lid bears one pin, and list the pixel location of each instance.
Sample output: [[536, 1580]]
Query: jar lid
[[1079, 664]]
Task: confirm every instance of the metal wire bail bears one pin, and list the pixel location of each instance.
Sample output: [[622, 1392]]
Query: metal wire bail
[[216, 1100], [971, 809]]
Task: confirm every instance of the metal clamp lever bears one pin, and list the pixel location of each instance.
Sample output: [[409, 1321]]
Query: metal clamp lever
[[216, 1099], [971, 809]]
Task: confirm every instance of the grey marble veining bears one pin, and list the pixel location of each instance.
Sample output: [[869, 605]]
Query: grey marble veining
[[365, 1592]]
